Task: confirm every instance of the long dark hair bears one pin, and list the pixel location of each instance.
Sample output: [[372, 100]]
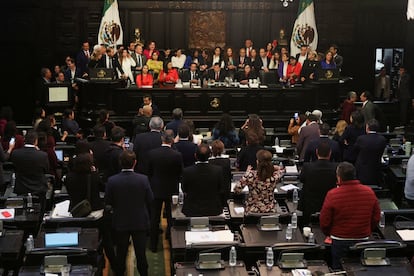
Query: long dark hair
[[265, 167], [225, 124]]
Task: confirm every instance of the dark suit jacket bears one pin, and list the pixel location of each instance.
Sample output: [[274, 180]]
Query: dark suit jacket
[[30, 165], [82, 61], [186, 76], [135, 58], [143, 143], [130, 196], [368, 111], [115, 63], [211, 75], [173, 125], [99, 148], [310, 153], [247, 156], [318, 178], [202, 184], [307, 134], [369, 149], [187, 149], [242, 76], [68, 74], [259, 63], [238, 62], [165, 167], [155, 109], [224, 163]]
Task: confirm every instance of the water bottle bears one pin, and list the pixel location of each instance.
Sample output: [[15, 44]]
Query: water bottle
[[233, 256], [29, 200], [29, 243], [294, 221], [281, 165], [13, 180], [269, 258], [289, 232], [311, 238], [295, 197], [382, 220], [180, 198], [276, 141]]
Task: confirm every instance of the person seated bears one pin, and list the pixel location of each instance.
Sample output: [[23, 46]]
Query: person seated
[[145, 78], [202, 184], [155, 65], [242, 59], [69, 123], [218, 159], [217, 74], [192, 75], [81, 175], [293, 71], [225, 131], [168, 76], [195, 57], [262, 183], [230, 63], [247, 74], [247, 154], [178, 59], [217, 57]]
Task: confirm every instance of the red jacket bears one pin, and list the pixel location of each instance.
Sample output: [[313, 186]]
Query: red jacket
[[350, 211], [347, 108]]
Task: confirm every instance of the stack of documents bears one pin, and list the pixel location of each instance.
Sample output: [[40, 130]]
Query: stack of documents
[[213, 237]]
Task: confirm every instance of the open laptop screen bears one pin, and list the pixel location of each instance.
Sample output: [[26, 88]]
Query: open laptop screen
[[61, 239]]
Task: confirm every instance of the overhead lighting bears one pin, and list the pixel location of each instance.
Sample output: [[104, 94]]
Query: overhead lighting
[[285, 3]]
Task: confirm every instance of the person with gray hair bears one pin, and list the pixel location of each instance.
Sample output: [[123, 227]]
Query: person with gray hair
[[144, 142], [177, 116], [348, 106]]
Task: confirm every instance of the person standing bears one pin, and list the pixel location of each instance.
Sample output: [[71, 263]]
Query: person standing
[[202, 184], [318, 178], [368, 107], [307, 133], [349, 213], [165, 166], [348, 106], [404, 95], [382, 85], [130, 196], [369, 149]]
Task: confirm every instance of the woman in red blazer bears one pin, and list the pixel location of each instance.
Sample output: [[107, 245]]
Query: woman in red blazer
[[144, 79]]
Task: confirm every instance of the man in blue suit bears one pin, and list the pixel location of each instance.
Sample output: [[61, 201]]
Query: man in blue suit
[[130, 196]]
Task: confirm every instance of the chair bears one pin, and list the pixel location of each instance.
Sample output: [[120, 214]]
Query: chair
[[268, 77]]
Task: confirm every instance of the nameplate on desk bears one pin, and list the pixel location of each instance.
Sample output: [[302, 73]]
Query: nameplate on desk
[[406, 235], [209, 237]]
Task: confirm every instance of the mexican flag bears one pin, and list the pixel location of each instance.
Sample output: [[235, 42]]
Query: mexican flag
[[410, 10], [110, 30], [304, 30]]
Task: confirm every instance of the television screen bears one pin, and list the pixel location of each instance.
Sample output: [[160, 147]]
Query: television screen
[[391, 59]]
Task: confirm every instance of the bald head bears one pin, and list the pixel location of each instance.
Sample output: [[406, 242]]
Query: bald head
[[147, 110]]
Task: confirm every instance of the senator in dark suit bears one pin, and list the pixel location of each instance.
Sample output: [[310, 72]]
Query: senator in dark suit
[[216, 74], [130, 196], [201, 184], [369, 149], [192, 75], [310, 153], [144, 142], [186, 147], [368, 107], [165, 166], [307, 134], [217, 148], [31, 166], [99, 147], [318, 178]]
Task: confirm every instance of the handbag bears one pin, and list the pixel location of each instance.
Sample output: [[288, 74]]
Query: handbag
[[83, 208]]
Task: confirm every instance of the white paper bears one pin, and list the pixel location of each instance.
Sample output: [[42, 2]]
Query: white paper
[[406, 235], [279, 149], [51, 274], [61, 210], [239, 210], [3, 212], [291, 169], [215, 237], [244, 86], [289, 187], [96, 214], [301, 272]]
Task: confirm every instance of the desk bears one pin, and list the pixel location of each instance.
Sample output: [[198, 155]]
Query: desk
[[11, 244], [185, 269], [253, 237], [399, 266], [28, 220], [87, 251], [317, 267], [178, 218], [397, 179], [84, 270]]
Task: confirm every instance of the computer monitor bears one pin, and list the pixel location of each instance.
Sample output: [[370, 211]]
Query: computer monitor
[[390, 58], [59, 155], [61, 239]]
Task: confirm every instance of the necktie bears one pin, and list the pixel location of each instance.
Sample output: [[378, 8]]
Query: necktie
[[87, 54], [192, 75], [217, 76], [242, 60], [110, 62], [139, 61]]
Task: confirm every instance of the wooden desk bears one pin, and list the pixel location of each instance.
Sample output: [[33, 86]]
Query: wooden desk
[[11, 244], [84, 270], [397, 178], [253, 237], [317, 267], [185, 269]]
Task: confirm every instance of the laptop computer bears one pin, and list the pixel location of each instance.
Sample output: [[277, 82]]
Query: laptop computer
[[59, 155], [101, 74], [328, 75], [61, 239]]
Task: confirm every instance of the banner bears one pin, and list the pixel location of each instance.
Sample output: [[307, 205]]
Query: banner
[[110, 30]]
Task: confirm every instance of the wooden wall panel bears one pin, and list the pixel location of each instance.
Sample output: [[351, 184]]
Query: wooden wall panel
[[177, 29]]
